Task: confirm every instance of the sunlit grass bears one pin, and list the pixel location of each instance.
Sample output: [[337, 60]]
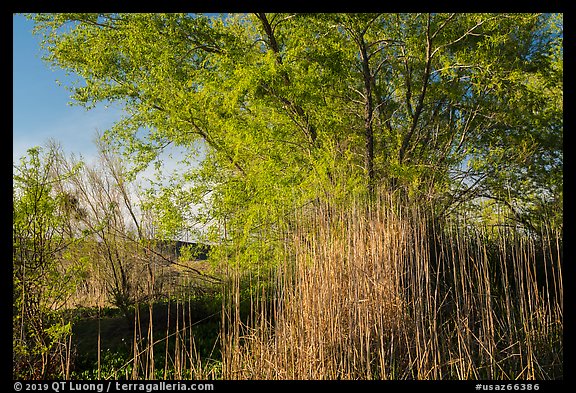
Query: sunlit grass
[[382, 293]]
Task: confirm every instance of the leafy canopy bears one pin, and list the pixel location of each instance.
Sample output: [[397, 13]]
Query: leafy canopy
[[287, 109]]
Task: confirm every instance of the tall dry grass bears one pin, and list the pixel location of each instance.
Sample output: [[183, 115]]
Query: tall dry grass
[[384, 291]]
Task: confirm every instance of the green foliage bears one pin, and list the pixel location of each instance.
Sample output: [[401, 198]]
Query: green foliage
[[116, 339], [283, 119], [291, 109], [41, 283]]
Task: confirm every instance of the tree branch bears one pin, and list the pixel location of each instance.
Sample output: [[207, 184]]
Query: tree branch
[[310, 130], [420, 103]]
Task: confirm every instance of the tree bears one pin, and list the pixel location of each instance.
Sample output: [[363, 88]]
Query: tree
[[41, 283], [114, 234], [287, 109], [108, 224]]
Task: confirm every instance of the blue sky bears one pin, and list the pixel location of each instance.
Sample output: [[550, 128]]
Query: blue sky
[[41, 108]]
